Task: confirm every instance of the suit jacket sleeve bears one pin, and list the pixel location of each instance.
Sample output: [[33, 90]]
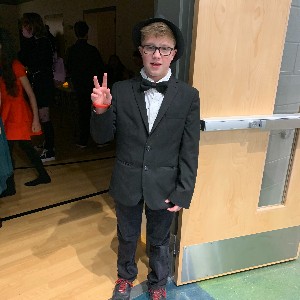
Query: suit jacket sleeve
[[188, 157]]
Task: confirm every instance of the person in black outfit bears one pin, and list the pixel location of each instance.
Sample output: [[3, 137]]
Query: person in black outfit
[[51, 38], [37, 55], [116, 71], [154, 119], [83, 62]]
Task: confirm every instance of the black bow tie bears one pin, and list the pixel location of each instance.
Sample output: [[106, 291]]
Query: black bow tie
[[160, 86]]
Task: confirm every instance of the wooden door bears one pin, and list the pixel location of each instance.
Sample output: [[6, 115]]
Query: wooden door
[[236, 56], [102, 33]]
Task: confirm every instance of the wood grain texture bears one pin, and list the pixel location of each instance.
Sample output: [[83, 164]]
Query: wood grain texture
[[68, 252], [236, 61], [237, 55]]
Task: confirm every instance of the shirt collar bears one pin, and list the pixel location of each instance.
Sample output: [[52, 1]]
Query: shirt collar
[[166, 78]]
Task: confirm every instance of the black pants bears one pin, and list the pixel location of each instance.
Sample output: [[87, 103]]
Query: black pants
[[158, 235], [31, 153], [84, 115], [49, 135]]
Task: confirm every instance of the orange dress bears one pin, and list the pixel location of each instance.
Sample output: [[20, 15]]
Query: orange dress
[[15, 111]]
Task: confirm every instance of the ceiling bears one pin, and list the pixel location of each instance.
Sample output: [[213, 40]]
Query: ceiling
[[13, 2]]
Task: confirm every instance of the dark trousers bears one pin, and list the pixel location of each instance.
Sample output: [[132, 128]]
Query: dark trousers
[[84, 115], [31, 153], [49, 135], [129, 221]]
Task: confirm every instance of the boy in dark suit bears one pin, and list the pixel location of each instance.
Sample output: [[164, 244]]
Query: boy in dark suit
[[156, 124]]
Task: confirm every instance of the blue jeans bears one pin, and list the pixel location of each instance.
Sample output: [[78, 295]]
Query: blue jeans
[[129, 219]]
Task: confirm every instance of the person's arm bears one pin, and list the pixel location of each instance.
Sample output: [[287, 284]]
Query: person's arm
[[188, 158], [0, 107], [46, 55], [36, 126]]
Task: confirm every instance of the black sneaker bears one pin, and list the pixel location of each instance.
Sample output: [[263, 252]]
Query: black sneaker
[[11, 187], [8, 192], [122, 289], [47, 155], [40, 180], [157, 294]]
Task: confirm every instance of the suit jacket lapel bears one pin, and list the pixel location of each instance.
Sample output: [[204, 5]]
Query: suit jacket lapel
[[140, 100], [168, 98]]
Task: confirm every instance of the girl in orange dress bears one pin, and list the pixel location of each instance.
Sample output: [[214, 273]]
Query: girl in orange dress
[[19, 116]]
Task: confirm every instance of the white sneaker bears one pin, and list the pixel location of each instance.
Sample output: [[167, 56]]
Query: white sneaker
[[102, 145], [47, 155], [81, 146]]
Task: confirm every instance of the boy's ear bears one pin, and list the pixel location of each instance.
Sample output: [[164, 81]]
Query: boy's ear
[[174, 53], [141, 50]]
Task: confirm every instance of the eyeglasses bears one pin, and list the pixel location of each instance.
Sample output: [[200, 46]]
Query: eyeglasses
[[150, 49]]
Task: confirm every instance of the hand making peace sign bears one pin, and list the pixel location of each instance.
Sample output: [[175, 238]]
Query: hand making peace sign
[[101, 96]]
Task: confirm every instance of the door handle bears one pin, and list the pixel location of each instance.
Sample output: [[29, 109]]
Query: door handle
[[262, 122]]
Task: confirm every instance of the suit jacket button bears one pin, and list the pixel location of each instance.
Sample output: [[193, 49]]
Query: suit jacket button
[[146, 168], [148, 148]]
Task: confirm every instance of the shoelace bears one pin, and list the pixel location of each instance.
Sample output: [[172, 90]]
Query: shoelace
[[156, 294], [123, 284]]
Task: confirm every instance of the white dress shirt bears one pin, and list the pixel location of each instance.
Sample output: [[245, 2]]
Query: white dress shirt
[[153, 98]]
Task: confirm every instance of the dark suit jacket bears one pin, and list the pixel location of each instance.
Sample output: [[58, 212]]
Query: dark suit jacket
[[158, 165]]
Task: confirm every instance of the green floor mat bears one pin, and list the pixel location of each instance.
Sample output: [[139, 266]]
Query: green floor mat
[[276, 282]]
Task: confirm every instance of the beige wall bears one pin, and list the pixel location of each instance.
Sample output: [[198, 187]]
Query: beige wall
[[8, 17], [128, 13]]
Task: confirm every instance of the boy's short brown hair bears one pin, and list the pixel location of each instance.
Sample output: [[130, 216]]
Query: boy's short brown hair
[[157, 29]]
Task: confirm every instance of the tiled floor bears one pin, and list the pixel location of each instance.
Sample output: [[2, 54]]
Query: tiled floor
[[277, 282], [186, 292]]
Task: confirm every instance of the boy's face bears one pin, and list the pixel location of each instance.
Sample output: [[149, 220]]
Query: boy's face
[[155, 64]]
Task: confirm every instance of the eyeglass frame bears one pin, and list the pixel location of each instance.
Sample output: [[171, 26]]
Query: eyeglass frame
[[157, 48]]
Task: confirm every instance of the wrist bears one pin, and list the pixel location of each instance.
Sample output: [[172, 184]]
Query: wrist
[[101, 105], [99, 110]]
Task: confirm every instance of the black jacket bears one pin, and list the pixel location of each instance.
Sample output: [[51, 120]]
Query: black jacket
[[83, 63], [158, 165]]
